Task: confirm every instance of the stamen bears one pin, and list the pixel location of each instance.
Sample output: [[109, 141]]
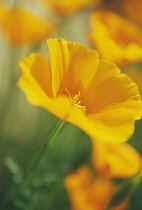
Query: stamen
[[75, 101]]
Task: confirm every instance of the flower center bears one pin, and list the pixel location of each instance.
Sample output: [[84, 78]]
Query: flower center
[[75, 102]]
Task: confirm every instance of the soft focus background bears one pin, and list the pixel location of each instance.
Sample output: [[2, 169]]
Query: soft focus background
[[23, 127]]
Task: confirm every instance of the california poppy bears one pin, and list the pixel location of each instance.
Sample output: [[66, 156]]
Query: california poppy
[[79, 88]]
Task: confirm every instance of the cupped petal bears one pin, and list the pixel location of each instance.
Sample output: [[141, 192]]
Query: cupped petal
[[36, 83], [35, 67], [115, 161], [60, 106], [73, 66], [111, 89], [115, 126]]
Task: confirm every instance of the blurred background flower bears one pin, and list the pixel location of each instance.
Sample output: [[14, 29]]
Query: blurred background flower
[[115, 38], [87, 192], [68, 7], [21, 26], [105, 156]]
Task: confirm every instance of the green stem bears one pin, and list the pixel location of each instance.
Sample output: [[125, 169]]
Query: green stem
[[44, 147]]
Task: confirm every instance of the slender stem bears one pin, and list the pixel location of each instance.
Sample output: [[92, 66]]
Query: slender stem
[[44, 147]]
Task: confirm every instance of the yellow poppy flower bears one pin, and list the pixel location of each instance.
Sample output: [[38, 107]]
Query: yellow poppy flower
[[68, 7], [115, 38], [113, 161], [22, 27], [79, 88], [88, 193]]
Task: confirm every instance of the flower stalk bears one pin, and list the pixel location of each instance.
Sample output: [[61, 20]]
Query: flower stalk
[[44, 147]]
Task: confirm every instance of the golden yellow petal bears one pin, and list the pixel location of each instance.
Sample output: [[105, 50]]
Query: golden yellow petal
[[36, 82], [113, 126], [33, 91], [110, 89], [115, 161], [36, 68], [72, 65], [59, 106]]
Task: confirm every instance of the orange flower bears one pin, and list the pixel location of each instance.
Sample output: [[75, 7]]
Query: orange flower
[[113, 161], [68, 7], [115, 38], [22, 27], [79, 88], [88, 193]]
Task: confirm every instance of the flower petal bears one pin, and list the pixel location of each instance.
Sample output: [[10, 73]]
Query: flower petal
[[36, 68], [114, 126], [111, 89], [115, 161], [77, 62], [36, 83], [60, 106]]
